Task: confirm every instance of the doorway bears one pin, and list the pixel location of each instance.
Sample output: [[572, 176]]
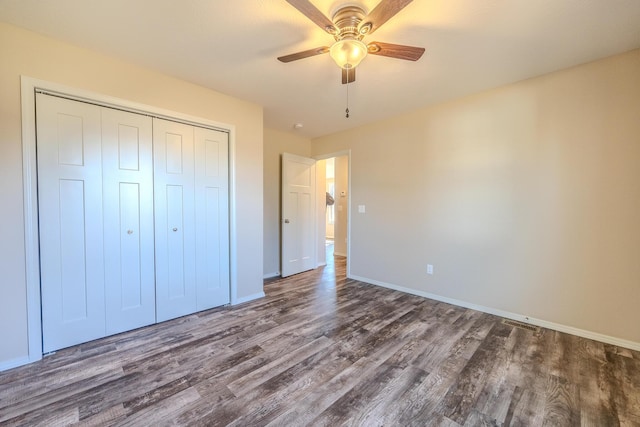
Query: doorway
[[333, 227], [330, 209]]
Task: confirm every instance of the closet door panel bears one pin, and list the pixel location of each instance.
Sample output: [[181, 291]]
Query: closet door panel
[[174, 219], [128, 220], [212, 217], [177, 286], [129, 285], [70, 221]]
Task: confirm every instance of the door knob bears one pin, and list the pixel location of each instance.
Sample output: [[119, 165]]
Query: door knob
[[175, 228], [129, 231], [286, 221]]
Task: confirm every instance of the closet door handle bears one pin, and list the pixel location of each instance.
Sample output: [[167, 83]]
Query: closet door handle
[[286, 221], [129, 231], [175, 229]]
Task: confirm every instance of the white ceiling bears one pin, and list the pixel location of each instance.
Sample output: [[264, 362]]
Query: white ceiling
[[231, 46]]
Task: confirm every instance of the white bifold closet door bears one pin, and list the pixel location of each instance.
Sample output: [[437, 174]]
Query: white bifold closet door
[[120, 248], [95, 201], [127, 193], [69, 153], [191, 218]]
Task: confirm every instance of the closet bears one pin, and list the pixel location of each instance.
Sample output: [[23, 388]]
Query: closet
[[133, 219], [191, 212]]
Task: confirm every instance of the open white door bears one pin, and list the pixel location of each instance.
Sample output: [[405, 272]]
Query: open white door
[[298, 214]]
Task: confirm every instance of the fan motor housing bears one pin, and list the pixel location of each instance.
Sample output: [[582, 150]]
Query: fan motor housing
[[347, 20]]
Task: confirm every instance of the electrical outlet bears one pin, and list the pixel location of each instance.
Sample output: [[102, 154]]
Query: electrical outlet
[[429, 269]]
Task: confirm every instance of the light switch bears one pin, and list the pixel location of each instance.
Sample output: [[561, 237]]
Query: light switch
[[361, 209]]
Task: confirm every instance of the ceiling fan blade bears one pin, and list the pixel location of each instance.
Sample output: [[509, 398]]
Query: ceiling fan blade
[[398, 51], [312, 12], [304, 54], [348, 74], [384, 11]]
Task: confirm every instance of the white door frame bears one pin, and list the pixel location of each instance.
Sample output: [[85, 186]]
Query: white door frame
[[349, 210], [29, 86]]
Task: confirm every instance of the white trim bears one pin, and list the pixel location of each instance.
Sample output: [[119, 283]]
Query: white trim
[[233, 233], [632, 345], [349, 216], [14, 363], [332, 155], [271, 275], [129, 106], [247, 298], [31, 237], [29, 170]]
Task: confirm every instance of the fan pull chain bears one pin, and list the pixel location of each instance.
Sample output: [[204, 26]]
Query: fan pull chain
[[347, 110]]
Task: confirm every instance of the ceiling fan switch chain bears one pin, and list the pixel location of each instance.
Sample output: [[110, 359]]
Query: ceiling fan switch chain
[[347, 110]]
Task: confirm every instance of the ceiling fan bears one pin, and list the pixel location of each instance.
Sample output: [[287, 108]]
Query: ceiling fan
[[349, 26]]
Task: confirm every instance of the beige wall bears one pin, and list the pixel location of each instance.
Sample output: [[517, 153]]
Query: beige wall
[[26, 53], [526, 199], [276, 143]]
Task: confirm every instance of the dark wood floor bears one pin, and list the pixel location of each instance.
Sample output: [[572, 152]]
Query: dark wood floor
[[323, 350]]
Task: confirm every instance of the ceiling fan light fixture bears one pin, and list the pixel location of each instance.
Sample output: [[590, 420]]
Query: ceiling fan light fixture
[[348, 53]]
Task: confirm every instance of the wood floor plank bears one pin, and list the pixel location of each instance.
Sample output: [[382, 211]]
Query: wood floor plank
[[272, 398], [624, 380], [308, 408], [16, 392], [108, 416], [61, 399], [526, 408], [382, 408], [356, 399], [259, 376], [561, 403], [498, 390], [416, 406], [321, 349], [157, 394], [163, 410]]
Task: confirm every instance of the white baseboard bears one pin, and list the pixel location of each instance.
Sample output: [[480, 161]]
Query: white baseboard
[[339, 254], [271, 275], [632, 345], [247, 298], [14, 363]]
